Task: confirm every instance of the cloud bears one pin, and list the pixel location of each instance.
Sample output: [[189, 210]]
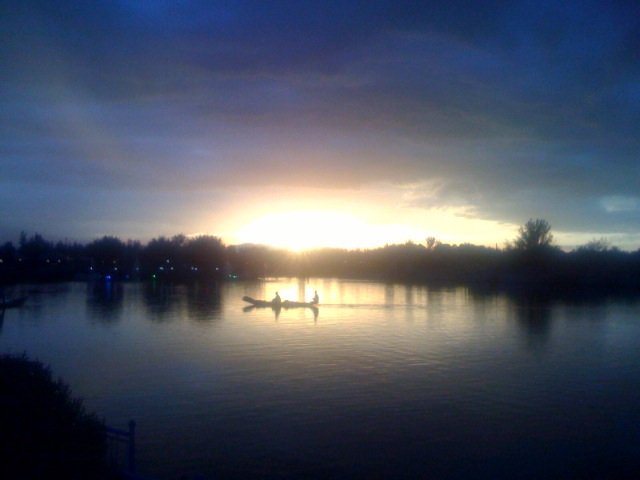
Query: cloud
[[618, 203], [501, 111]]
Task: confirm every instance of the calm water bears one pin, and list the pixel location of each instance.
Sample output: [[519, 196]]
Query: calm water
[[386, 381]]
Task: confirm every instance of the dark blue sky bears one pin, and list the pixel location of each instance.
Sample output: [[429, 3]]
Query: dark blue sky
[[458, 119]]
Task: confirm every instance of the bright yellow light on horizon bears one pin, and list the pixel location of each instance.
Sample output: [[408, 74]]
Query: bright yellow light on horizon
[[300, 230], [300, 219]]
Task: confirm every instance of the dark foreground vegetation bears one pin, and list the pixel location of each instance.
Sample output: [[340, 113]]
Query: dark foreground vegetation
[[530, 259], [45, 432]]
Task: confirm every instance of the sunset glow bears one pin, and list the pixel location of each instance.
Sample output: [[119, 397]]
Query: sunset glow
[[356, 227], [299, 230]]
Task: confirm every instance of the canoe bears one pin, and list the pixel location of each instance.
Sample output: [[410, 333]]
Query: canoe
[[258, 303], [16, 302], [289, 304], [282, 304]]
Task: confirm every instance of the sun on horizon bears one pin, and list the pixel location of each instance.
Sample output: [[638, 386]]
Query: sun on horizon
[[303, 230], [355, 228]]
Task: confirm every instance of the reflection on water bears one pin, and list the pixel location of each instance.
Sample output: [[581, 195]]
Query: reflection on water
[[534, 317], [381, 381], [105, 301], [204, 302], [159, 300], [167, 302]]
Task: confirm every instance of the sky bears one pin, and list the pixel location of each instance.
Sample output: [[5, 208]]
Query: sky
[[336, 123]]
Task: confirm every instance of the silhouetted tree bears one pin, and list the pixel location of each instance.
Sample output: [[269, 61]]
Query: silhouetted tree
[[247, 260], [8, 260], [37, 258], [204, 255], [533, 235], [162, 256], [8, 251], [601, 245], [106, 254], [432, 242], [34, 248]]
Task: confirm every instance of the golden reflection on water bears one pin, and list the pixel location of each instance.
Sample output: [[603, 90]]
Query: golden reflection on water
[[360, 326]]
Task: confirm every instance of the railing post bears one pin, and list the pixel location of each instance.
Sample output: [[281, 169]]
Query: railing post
[[132, 447]]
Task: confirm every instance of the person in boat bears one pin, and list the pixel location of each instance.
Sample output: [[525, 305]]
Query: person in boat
[[277, 300], [316, 298]]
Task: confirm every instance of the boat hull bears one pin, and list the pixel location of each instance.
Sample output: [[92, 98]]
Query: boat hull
[[282, 304]]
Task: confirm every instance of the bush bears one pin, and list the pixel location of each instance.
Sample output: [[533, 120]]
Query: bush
[[46, 433]]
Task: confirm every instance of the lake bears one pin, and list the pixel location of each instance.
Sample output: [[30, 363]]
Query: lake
[[381, 381]]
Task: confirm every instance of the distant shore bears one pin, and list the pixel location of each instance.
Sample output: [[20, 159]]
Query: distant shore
[[206, 258]]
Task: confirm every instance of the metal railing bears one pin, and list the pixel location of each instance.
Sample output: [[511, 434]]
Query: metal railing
[[122, 443]]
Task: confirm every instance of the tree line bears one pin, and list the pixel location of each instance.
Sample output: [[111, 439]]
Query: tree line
[[530, 258]]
